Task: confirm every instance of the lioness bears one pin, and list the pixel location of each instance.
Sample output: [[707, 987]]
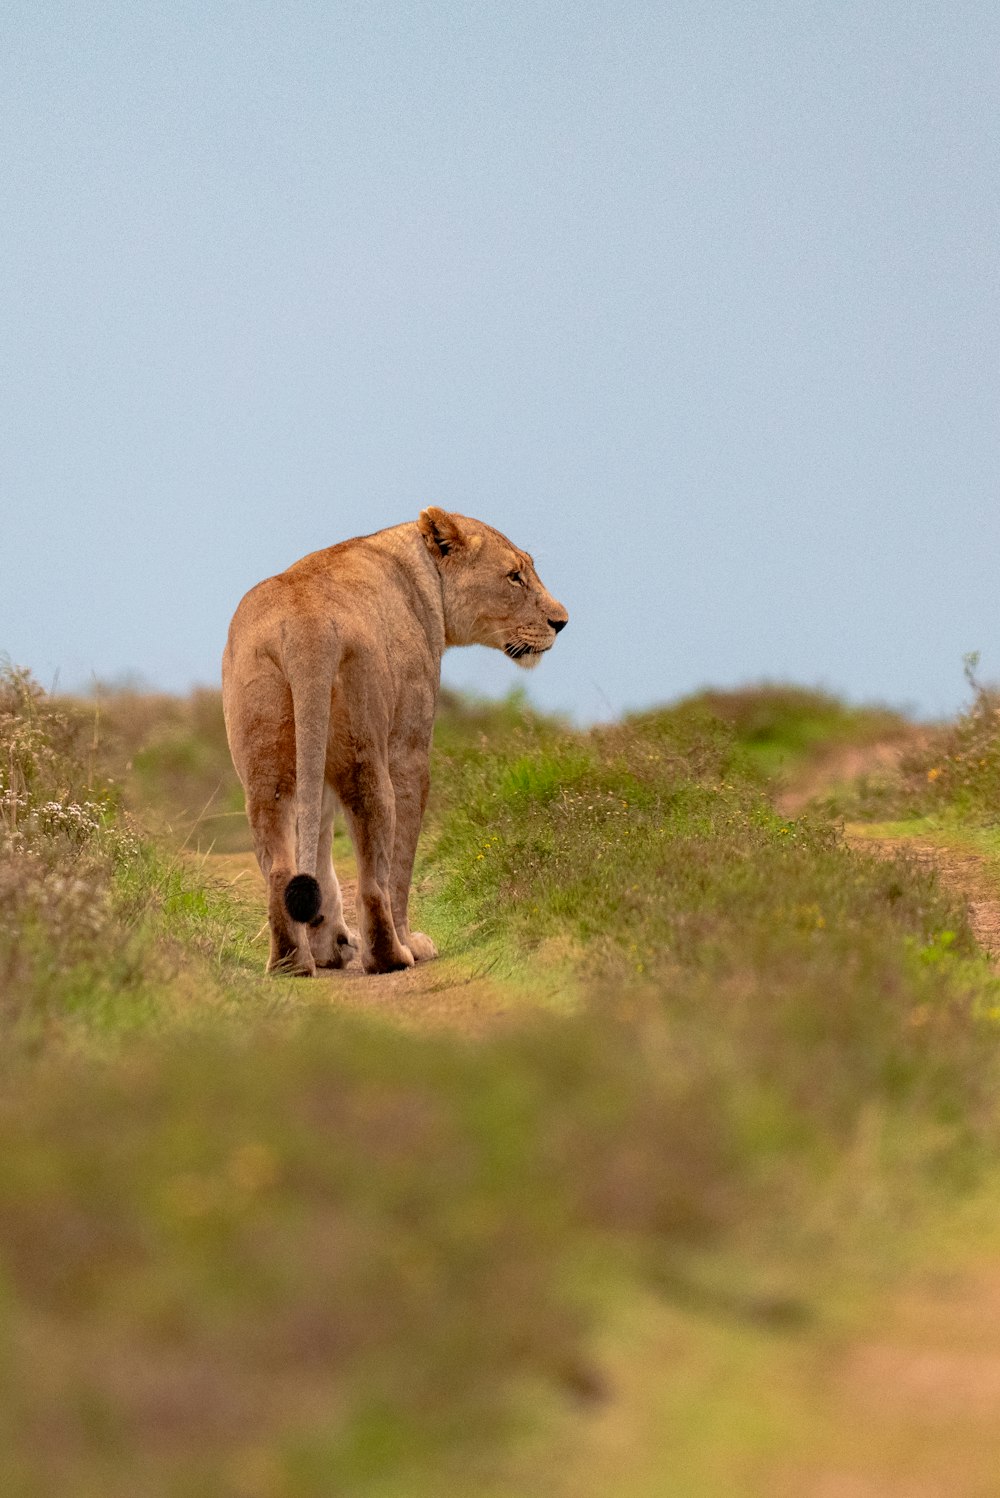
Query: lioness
[[330, 679]]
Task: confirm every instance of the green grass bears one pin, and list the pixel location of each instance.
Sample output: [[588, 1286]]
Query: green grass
[[252, 1244], [314, 1244], [780, 727], [764, 949]]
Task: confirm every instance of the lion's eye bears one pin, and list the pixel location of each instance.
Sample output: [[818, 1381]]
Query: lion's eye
[[515, 577]]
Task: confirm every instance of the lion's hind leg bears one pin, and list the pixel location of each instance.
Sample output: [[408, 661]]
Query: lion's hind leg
[[332, 941], [366, 795], [273, 830], [263, 749]]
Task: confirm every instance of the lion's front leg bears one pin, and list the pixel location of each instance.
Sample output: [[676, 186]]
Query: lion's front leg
[[411, 782]]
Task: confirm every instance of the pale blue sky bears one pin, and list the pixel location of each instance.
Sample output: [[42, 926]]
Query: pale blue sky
[[698, 301]]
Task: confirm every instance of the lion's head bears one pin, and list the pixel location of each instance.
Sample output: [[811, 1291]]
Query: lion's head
[[492, 593]]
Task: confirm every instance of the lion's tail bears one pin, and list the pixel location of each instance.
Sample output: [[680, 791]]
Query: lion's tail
[[311, 694]]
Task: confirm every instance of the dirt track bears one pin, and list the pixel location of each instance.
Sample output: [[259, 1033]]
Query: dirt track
[[431, 994], [962, 871]]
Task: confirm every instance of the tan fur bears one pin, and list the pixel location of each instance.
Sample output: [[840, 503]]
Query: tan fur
[[330, 680]]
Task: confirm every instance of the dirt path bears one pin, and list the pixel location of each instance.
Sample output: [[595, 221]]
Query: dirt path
[[970, 875], [434, 993]]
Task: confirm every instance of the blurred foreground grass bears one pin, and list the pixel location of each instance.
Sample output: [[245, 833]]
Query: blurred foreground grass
[[252, 1244]]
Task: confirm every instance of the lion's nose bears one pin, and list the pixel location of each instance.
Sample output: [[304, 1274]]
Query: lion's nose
[[558, 624]]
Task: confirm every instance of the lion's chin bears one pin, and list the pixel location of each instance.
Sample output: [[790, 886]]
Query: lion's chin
[[525, 656]]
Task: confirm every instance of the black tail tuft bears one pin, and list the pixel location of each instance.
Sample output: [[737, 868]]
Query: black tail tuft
[[303, 898]]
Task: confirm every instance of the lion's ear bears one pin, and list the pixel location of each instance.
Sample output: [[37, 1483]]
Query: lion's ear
[[441, 532]]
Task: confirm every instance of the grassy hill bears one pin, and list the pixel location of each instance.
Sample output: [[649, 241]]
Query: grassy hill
[[259, 1240]]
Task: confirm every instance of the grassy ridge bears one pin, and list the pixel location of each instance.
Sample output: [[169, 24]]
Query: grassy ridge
[[252, 1245], [790, 979], [778, 726]]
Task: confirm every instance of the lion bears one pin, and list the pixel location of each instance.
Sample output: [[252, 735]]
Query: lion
[[330, 681]]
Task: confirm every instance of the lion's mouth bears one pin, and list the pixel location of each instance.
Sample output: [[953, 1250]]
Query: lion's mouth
[[518, 652]]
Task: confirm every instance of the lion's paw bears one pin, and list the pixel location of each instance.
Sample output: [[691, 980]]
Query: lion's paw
[[387, 961], [421, 946], [336, 949]]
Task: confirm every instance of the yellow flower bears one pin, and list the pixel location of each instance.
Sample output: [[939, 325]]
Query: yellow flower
[[933, 774]]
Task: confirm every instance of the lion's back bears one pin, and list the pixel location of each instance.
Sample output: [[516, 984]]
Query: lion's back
[[352, 601]]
